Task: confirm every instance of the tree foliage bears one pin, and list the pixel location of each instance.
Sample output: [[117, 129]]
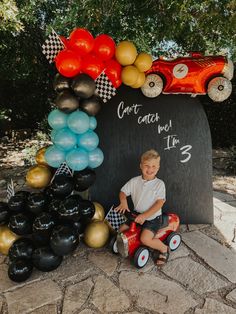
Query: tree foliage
[[164, 27]]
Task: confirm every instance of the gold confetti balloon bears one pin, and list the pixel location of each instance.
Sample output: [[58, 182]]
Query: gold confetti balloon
[[99, 212], [38, 176], [40, 156], [96, 234], [7, 237]]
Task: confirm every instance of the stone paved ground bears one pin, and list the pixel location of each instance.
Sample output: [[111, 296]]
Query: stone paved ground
[[200, 276]]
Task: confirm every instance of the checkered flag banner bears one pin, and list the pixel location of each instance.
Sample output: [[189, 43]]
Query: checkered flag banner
[[52, 46], [10, 190], [63, 169], [104, 87], [115, 219]]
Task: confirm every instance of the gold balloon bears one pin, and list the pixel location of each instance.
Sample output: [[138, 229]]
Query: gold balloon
[[140, 81], [7, 237], [126, 53], [38, 176], [96, 234], [129, 75], [99, 212], [143, 62], [40, 158]]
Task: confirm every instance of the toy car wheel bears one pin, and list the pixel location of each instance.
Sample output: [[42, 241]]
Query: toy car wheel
[[152, 86], [141, 257], [113, 245], [219, 89], [173, 240]]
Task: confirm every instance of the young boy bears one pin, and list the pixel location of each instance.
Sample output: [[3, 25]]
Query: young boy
[[148, 195]]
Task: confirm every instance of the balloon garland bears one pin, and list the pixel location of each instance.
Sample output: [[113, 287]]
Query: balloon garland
[[37, 229]]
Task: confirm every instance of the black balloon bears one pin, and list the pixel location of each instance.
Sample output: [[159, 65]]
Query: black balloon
[[20, 270], [45, 259], [62, 186], [53, 207], [37, 202], [61, 83], [20, 224], [83, 86], [23, 194], [87, 210], [16, 203], [78, 226], [69, 209], [4, 213], [63, 240], [67, 102], [40, 238], [21, 248], [43, 222], [48, 193], [84, 179], [42, 227], [91, 105]]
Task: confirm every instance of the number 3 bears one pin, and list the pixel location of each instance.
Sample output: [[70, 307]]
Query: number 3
[[185, 150]]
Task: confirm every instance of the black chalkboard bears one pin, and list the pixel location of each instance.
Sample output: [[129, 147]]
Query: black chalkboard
[[177, 127]]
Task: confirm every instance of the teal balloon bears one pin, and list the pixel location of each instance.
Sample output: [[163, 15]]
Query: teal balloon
[[92, 123], [57, 119], [54, 156], [65, 139], [88, 140], [78, 122], [77, 159], [96, 158], [52, 135]]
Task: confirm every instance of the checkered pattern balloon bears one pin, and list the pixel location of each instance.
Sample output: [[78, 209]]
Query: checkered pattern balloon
[[104, 87], [52, 46], [115, 219], [63, 169]]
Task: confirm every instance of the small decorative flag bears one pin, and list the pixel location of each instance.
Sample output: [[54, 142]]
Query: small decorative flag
[[52, 46], [63, 169], [115, 219], [10, 190], [104, 87]]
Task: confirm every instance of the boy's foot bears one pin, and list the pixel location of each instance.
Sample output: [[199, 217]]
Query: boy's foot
[[163, 258]]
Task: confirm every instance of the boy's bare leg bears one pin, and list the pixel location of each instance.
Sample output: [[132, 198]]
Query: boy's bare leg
[[123, 228], [148, 239]]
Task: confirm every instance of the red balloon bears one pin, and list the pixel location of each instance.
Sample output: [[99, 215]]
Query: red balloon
[[117, 83], [68, 63], [65, 41], [93, 66], [81, 41], [104, 47], [113, 71]]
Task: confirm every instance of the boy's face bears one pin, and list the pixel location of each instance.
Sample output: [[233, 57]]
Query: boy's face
[[150, 168]]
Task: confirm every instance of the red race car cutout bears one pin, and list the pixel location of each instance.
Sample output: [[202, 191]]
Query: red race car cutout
[[195, 75]]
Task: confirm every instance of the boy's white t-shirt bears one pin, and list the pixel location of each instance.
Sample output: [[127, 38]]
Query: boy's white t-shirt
[[145, 193]]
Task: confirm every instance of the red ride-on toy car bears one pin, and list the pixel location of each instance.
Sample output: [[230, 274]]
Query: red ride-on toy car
[[128, 242]]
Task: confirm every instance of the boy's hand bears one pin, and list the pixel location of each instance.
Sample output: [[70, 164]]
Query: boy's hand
[[140, 219], [122, 208]]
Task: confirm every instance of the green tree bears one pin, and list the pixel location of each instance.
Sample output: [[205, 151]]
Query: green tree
[[160, 27]]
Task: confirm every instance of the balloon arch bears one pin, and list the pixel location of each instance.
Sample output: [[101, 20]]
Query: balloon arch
[[37, 229]]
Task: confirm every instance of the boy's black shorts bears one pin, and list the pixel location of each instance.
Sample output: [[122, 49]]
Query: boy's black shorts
[[153, 225]]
